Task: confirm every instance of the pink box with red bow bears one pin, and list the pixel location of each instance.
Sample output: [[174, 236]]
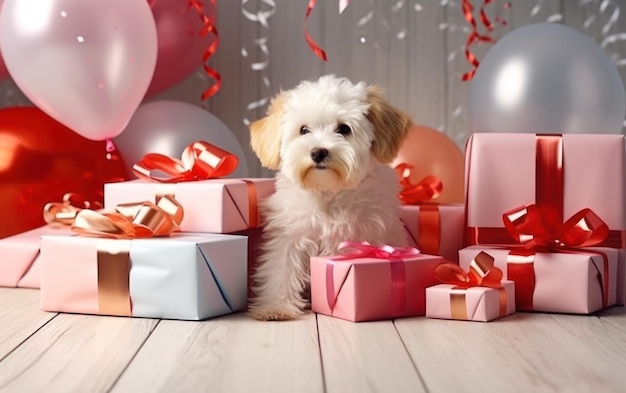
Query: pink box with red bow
[[20, 259], [372, 288], [560, 176], [435, 229], [213, 206]]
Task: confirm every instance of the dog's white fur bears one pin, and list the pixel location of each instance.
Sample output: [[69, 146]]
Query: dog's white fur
[[351, 195]]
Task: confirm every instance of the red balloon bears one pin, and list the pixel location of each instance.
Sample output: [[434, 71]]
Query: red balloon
[[40, 160], [181, 46]]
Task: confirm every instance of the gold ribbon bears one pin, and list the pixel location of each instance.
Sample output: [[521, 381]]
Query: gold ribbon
[[114, 278], [131, 220], [64, 212]]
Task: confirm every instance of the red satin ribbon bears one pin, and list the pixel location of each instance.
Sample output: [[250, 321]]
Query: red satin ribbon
[[352, 250], [427, 189], [64, 212], [540, 228], [317, 50], [200, 161], [208, 28]]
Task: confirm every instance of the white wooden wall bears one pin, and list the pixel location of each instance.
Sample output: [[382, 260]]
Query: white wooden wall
[[412, 48]]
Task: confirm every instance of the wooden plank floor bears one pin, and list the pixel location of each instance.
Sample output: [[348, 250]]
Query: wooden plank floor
[[47, 352]]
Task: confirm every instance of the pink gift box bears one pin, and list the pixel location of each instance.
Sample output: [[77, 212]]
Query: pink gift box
[[19, 257], [554, 282], [442, 233], [363, 287], [501, 175], [215, 206], [478, 304]]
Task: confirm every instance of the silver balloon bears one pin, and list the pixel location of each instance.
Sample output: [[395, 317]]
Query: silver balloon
[[547, 78], [167, 127]]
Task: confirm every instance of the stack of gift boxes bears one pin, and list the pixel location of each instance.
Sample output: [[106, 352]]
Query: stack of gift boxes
[[180, 252], [542, 229]]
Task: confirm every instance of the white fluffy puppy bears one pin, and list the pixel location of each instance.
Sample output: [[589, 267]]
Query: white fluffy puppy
[[331, 142]]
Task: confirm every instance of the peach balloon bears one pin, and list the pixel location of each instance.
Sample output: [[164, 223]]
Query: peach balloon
[[433, 153]]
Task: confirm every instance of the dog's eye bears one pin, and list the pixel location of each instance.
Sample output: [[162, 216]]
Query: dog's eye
[[304, 130], [344, 129]]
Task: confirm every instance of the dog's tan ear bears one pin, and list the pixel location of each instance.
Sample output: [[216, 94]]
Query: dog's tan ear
[[391, 125], [265, 134]]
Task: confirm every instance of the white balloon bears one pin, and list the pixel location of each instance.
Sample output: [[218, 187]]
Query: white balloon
[[167, 127], [547, 78]]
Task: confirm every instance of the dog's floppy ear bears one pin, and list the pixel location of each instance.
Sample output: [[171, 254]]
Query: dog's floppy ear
[[265, 134], [391, 126]]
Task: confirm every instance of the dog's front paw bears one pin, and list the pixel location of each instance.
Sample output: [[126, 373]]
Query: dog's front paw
[[283, 312]]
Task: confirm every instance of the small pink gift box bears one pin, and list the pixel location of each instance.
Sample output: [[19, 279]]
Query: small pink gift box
[[479, 294], [579, 282], [369, 287], [477, 304], [565, 173], [19, 257], [215, 206], [435, 229]]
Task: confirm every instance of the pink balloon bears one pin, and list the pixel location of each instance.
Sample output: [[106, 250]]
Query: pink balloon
[[87, 64], [4, 73], [180, 47]]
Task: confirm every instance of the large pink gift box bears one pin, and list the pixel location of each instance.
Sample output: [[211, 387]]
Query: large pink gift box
[[184, 276], [362, 289], [477, 304], [503, 173], [20, 259], [569, 282], [214, 206], [435, 229]]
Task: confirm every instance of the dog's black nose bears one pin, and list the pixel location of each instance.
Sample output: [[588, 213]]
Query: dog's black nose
[[319, 154]]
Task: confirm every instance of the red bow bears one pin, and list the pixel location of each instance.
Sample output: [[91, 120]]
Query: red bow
[[537, 231], [200, 161], [481, 273], [427, 189]]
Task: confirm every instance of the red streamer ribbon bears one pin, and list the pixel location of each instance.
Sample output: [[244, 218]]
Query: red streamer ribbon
[[475, 37], [208, 28], [352, 250], [200, 161], [65, 212], [317, 50], [427, 189]]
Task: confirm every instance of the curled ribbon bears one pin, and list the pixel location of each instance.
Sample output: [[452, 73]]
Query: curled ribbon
[[427, 189], [317, 50], [131, 220], [64, 212], [481, 273], [200, 161], [208, 27], [530, 228]]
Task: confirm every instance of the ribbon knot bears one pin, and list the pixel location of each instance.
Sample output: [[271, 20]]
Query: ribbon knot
[[199, 161], [352, 250], [425, 190], [64, 212], [537, 231], [131, 220], [481, 273]]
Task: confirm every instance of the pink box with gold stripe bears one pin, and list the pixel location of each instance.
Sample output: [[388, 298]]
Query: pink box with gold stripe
[[215, 206], [445, 301]]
